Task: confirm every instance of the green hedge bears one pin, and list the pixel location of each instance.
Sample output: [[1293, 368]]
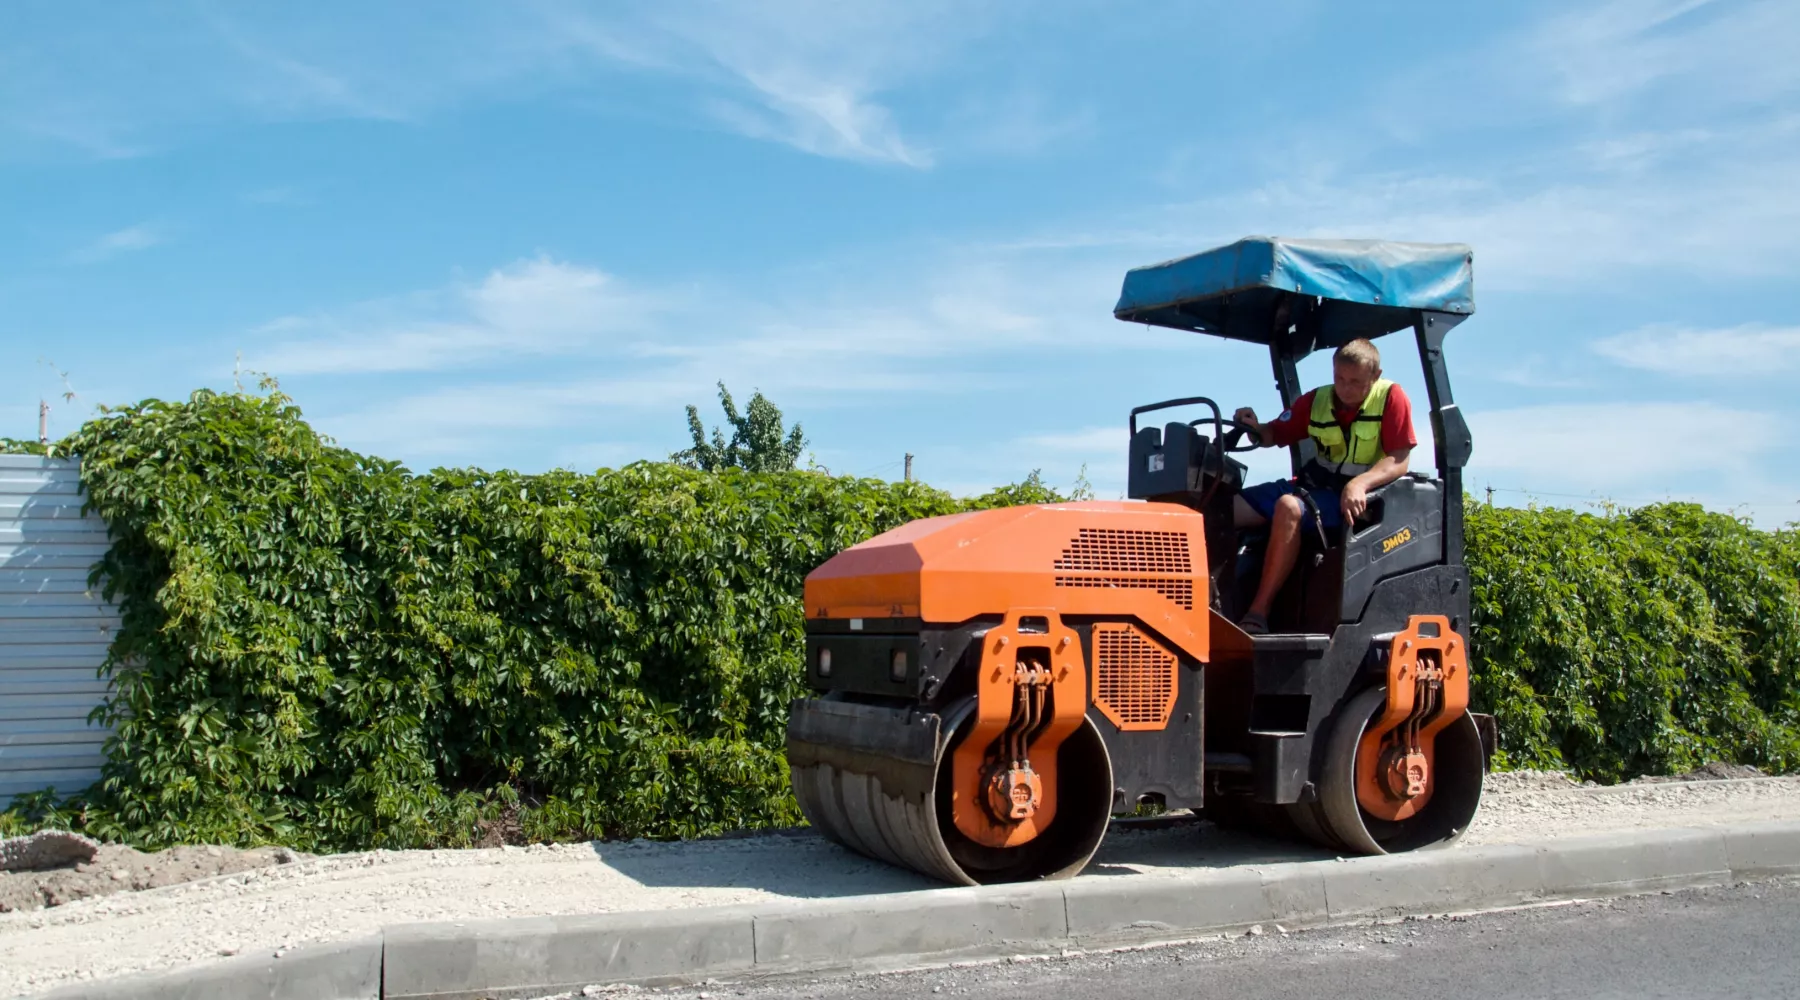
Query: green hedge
[[1645, 642], [322, 649]]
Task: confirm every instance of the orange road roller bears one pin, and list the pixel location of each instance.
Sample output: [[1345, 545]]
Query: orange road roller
[[991, 688]]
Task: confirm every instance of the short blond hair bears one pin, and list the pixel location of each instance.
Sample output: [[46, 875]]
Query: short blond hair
[[1358, 352]]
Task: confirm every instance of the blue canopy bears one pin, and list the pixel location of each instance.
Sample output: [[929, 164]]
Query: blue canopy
[[1345, 288]]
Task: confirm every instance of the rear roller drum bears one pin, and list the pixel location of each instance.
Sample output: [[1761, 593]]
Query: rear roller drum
[[1455, 774]]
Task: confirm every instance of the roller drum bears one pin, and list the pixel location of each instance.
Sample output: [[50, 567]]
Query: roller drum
[[875, 779]]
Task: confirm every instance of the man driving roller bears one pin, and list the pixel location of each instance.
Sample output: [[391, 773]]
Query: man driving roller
[[1362, 426]]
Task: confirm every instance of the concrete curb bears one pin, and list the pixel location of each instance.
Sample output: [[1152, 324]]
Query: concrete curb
[[350, 970], [535, 956]]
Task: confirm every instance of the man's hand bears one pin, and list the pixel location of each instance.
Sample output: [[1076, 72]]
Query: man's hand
[[1354, 500], [1246, 417]]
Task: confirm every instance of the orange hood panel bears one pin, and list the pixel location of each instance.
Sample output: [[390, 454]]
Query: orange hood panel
[[1096, 557]]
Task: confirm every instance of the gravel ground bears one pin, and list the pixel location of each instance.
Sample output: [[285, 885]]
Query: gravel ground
[[344, 896]]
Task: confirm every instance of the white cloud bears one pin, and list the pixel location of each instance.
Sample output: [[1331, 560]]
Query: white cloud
[[1635, 453], [121, 241], [820, 118], [1681, 445], [541, 346], [529, 308], [289, 85], [806, 73], [280, 194], [1607, 139], [1550, 220], [1612, 51], [814, 75], [1749, 351], [1111, 441], [1736, 216], [1020, 122], [1535, 371]]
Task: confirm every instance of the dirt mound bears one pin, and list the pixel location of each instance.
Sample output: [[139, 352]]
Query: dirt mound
[[116, 868], [46, 849]]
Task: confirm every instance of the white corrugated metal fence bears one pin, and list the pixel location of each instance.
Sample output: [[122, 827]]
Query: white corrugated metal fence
[[54, 630]]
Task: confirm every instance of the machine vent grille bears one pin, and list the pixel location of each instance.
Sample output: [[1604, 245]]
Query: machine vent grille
[[1134, 678], [1177, 589], [1112, 550]]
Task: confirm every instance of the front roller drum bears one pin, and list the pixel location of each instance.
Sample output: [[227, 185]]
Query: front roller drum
[[878, 780]]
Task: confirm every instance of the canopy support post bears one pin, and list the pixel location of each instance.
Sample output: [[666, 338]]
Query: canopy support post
[[1454, 444]]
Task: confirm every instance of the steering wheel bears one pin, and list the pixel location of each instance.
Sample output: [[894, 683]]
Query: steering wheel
[[1232, 441]]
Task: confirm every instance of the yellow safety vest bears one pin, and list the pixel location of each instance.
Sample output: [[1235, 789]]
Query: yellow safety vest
[[1363, 450]]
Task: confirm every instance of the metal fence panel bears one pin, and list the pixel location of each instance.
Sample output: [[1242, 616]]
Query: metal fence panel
[[54, 629]]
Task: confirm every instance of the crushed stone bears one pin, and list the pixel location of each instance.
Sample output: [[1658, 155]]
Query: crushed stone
[[263, 905], [1715, 771], [1523, 781]]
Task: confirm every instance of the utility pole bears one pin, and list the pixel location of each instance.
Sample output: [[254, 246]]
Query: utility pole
[[909, 466], [44, 422], [1490, 490]]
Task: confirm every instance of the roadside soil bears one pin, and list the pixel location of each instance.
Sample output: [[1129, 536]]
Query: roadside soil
[[117, 868], [262, 904]]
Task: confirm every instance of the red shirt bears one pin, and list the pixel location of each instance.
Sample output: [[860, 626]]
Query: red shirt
[[1396, 421]]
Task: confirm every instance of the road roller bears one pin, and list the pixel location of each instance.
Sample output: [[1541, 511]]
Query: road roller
[[989, 689]]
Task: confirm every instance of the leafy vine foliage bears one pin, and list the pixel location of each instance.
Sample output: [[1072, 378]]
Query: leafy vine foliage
[[323, 649], [1646, 642], [756, 443]]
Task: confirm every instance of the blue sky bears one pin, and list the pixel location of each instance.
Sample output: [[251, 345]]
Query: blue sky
[[525, 235]]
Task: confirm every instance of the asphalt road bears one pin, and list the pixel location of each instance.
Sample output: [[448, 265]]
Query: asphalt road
[[1742, 941]]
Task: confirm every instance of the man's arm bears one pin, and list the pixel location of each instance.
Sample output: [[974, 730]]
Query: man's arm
[[1355, 497]]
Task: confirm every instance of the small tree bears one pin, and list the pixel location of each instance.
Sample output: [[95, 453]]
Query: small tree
[[756, 445]]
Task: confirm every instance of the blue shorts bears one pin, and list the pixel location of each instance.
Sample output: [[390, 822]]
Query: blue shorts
[[1262, 498]]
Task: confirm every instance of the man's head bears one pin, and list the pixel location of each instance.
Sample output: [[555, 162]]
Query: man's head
[[1354, 369]]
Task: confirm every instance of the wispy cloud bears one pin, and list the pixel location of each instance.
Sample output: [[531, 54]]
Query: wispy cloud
[[1628, 136], [1087, 441], [1750, 351], [1736, 216], [544, 346], [808, 74], [279, 194], [1021, 122], [1617, 445], [132, 82], [1535, 371], [1613, 51], [820, 118], [127, 240], [529, 308], [288, 84], [820, 77]]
